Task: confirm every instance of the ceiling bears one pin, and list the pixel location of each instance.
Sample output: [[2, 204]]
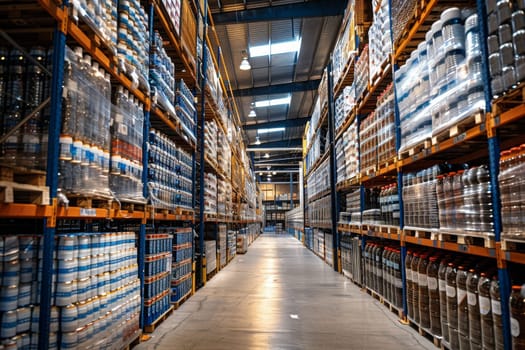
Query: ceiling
[[241, 25]]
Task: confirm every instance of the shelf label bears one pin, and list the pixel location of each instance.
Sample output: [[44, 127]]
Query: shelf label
[[460, 138], [88, 212]]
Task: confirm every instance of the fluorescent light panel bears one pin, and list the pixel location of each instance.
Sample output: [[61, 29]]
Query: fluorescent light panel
[[270, 130], [274, 102], [275, 49]]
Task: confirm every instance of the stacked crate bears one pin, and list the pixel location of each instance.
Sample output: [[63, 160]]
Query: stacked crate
[[181, 268], [157, 276]]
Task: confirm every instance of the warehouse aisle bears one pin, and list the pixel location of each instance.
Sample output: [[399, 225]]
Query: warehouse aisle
[[281, 296]]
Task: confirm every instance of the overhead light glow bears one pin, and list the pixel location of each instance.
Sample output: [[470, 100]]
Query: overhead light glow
[[245, 64], [257, 140], [276, 48], [261, 174], [266, 155], [252, 113], [270, 130], [275, 172], [274, 102]]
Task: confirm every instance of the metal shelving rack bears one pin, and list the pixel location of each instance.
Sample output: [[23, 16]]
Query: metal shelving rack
[[65, 29], [495, 133], [207, 223]]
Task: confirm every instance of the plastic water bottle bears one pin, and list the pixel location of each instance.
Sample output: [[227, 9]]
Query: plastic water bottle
[[3, 78], [14, 106], [33, 97]]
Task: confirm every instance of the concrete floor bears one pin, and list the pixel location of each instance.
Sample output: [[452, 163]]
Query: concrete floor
[[281, 296]]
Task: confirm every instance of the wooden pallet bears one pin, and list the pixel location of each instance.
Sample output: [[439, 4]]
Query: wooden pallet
[[151, 328], [420, 233], [23, 175], [509, 100], [471, 238], [513, 244], [209, 216], [459, 127], [355, 227], [90, 201], [370, 171], [13, 192], [182, 300], [425, 144], [129, 206], [387, 164], [368, 227], [134, 341], [391, 230], [426, 333]]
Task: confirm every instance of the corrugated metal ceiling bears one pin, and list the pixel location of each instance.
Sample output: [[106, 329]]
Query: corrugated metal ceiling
[[318, 35]]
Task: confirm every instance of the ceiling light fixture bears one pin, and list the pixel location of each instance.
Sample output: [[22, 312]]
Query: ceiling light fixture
[[274, 173], [266, 155], [252, 113], [257, 140], [245, 64]]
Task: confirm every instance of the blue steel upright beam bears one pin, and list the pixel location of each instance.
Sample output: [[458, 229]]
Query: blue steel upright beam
[[397, 121], [55, 122], [201, 138], [494, 158], [333, 167], [274, 13]]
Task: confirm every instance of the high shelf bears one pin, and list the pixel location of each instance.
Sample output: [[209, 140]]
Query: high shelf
[[99, 160], [426, 146]]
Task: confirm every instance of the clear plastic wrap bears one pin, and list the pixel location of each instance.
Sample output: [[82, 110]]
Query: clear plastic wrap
[[100, 16], [211, 131], [440, 85], [133, 43], [340, 161], [346, 46], [361, 73], [386, 133], [512, 192], [402, 11], [351, 149], [320, 212], [380, 40], [210, 193], [85, 137], [506, 43], [162, 75], [464, 201], [389, 202], [23, 87], [420, 199], [344, 105], [96, 273], [186, 108], [368, 144], [169, 173], [127, 138]]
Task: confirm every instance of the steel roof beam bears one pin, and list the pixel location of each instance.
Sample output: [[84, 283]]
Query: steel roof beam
[[274, 13], [293, 143], [287, 123], [298, 86]]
